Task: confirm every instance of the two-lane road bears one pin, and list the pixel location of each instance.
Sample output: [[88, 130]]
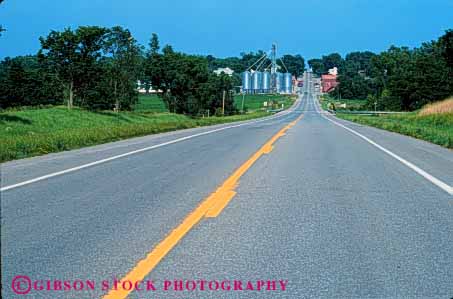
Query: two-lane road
[[322, 210]]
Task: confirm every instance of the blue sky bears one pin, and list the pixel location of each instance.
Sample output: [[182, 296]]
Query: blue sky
[[227, 27]]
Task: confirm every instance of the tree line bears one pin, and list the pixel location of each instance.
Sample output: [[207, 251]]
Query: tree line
[[98, 68], [294, 64], [397, 79]]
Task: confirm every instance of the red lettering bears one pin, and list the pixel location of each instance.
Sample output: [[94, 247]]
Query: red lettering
[[249, 286], [216, 285], [137, 285], [105, 285], [115, 284], [178, 285], [225, 285], [57, 285], [271, 285], [90, 285], [150, 285], [38, 285], [127, 285], [259, 284], [238, 285], [202, 282], [78, 285], [167, 284], [283, 284], [191, 285]]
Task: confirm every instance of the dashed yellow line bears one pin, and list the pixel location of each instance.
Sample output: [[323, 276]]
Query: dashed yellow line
[[212, 206]]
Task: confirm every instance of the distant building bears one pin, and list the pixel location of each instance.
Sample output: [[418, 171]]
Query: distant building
[[328, 82], [225, 70], [333, 71], [142, 88]]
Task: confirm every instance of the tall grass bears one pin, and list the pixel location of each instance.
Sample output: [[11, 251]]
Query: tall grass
[[441, 107]]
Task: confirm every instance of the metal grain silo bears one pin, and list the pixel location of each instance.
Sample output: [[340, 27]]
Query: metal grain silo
[[257, 81], [266, 87], [287, 83], [246, 82], [279, 82]]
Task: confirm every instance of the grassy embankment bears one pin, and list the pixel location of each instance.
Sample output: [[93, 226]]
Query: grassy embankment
[[433, 123], [351, 104], [31, 132]]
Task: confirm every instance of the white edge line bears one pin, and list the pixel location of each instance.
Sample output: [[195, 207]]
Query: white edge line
[[429, 177], [58, 173]]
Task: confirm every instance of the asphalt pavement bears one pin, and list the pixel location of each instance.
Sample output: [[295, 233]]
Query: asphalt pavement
[[325, 214]]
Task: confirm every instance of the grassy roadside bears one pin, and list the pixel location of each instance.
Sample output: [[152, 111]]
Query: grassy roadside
[[428, 124], [30, 133], [350, 104], [436, 128]]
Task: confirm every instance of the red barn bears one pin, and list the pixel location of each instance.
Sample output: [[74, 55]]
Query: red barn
[[329, 82]]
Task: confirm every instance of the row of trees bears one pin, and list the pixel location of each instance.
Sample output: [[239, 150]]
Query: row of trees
[[185, 81], [295, 64], [91, 67], [98, 68], [397, 79]]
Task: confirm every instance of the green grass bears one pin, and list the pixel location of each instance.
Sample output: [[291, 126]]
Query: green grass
[[150, 103], [32, 132], [351, 104], [153, 103], [255, 101], [436, 128]]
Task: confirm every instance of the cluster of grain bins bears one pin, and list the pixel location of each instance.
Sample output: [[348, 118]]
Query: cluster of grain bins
[[261, 82]]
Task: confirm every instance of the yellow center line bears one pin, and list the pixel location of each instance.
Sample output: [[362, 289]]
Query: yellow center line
[[212, 206]]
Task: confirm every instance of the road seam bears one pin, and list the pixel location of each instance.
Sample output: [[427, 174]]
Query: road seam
[[210, 207]]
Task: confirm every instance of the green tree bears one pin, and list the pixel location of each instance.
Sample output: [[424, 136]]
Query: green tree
[[445, 44], [152, 65], [331, 61], [24, 82], [211, 94], [294, 63], [354, 76], [122, 66], [154, 44], [72, 57], [59, 50], [317, 66]]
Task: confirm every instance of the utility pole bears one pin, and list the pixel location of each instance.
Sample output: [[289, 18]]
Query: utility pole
[[274, 68], [223, 103], [243, 98]]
